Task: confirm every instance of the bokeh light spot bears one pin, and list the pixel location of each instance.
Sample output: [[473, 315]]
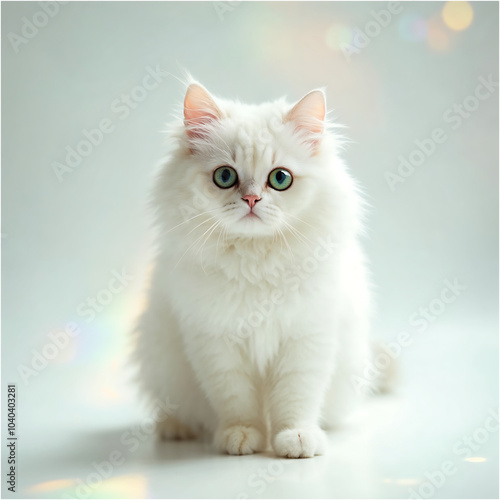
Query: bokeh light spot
[[437, 38], [457, 15], [338, 36], [412, 28]]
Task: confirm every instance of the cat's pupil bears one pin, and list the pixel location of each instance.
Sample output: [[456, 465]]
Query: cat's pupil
[[226, 175], [280, 176]]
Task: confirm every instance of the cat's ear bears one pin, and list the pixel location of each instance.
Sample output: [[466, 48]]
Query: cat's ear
[[308, 116], [200, 110]]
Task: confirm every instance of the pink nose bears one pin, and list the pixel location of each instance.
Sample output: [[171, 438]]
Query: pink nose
[[251, 199]]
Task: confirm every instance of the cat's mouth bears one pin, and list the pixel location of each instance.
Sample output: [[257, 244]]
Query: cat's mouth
[[251, 215]]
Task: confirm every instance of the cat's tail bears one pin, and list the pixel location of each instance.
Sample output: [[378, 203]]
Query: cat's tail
[[386, 368]]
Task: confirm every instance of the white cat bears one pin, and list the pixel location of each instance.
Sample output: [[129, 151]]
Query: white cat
[[258, 311]]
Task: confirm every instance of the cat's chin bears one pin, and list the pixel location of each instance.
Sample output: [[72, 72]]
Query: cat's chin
[[251, 225]]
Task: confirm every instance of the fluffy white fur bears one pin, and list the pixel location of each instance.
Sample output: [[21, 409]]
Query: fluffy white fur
[[255, 326]]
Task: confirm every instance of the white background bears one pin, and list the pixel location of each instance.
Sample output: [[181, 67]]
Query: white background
[[61, 240]]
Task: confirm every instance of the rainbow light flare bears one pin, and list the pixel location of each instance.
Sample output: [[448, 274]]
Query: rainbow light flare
[[54, 485], [127, 486]]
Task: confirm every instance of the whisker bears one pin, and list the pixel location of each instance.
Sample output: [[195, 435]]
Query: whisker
[[217, 247], [200, 250], [224, 238], [216, 132], [301, 220], [190, 219], [194, 243], [200, 224], [298, 235], [287, 245], [276, 232]]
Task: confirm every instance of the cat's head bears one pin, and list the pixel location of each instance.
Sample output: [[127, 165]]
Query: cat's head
[[259, 168]]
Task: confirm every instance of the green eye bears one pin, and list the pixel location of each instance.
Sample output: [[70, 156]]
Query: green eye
[[225, 177], [280, 179]]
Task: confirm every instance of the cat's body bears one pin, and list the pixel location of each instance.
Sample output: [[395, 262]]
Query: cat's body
[[257, 320]]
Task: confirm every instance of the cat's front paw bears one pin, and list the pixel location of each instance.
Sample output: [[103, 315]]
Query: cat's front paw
[[300, 442], [239, 440]]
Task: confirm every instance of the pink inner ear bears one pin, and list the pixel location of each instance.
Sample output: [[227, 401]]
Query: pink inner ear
[[309, 113], [199, 110]]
